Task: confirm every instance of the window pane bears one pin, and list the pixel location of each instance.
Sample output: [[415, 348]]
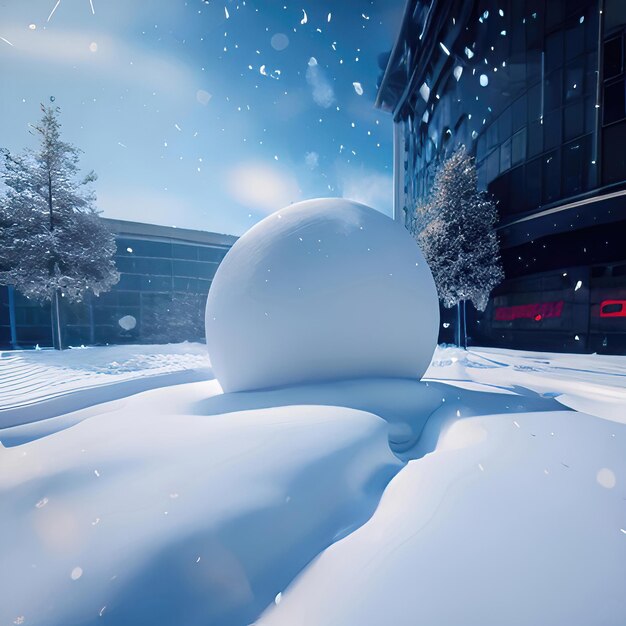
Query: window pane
[[481, 147], [185, 284], [554, 51], [182, 251], [129, 282], [613, 57], [574, 41], [518, 199], [493, 165], [534, 103], [519, 113], [614, 14], [211, 254], [505, 124], [492, 136], [614, 102], [553, 91], [533, 183], [552, 130], [613, 153], [573, 86], [151, 248], [573, 161], [505, 156], [590, 115], [554, 13], [551, 177], [574, 120], [156, 283], [533, 15], [591, 74], [518, 148], [535, 139]]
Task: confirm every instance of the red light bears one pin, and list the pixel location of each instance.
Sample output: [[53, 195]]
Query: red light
[[535, 311], [613, 308]]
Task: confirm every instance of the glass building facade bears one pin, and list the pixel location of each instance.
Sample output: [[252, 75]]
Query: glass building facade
[[536, 90], [165, 276]]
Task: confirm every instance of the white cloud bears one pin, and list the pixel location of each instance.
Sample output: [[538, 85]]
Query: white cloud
[[323, 93], [101, 55], [369, 187], [261, 187]]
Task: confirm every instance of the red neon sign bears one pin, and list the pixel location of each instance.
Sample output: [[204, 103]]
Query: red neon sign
[[613, 308], [536, 311]]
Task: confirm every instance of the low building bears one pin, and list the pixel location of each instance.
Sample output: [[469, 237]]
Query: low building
[[535, 89], [165, 275]]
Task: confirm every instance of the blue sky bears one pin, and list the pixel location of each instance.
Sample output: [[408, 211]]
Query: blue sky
[[206, 114]]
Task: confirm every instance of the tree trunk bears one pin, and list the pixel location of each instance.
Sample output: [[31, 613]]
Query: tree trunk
[[57, 340], [55, 319], [465, 324], [457, 325]]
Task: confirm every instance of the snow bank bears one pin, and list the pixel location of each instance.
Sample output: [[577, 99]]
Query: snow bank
[[183, 505], [516, 520], [145, 514], [317, 291]]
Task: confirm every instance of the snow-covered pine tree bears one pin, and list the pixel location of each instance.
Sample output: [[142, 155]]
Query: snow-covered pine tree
[[457, 236], [52, 242]]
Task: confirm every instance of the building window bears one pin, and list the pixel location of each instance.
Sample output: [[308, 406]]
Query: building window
[[551, 177], [518, 147], [573, 86], [554, 51], [614, 14], [553, 90], [574, 119], [535, 138], [613, 153], [505, 156], [613, 57], [614, 102], [533, 183], [573, 167], [519, 109], [552, 130], [574, 41], [493, 165]]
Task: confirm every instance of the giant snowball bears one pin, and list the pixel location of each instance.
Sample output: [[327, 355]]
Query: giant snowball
[[325, 289]]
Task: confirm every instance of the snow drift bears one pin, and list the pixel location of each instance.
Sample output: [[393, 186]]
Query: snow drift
[[186, 505]]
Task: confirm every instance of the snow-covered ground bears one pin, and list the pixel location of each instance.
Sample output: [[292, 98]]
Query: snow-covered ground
[[38, 384], [491, 493]]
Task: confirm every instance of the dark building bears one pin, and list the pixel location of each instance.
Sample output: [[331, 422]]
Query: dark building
[[165, 275], [536, 90]]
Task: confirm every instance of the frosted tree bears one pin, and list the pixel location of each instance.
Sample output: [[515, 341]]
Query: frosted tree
[[176, 319], [457, 236], [52, 242]]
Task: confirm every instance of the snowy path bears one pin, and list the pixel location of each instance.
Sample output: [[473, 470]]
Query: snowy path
[[492, 493]]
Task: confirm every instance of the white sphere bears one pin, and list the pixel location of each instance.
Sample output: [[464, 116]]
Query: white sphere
[[324, 289]]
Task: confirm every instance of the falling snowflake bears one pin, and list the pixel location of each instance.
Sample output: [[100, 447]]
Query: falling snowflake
[[77, 572]]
